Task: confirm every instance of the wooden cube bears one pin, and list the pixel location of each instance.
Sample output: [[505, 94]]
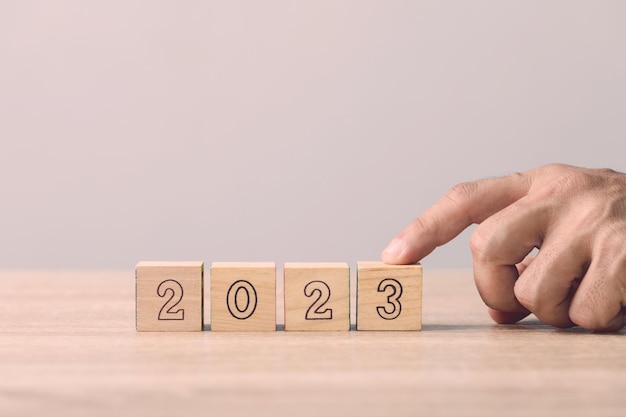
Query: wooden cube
[[243, 296], [317, 296], [389, 297], [169, 296]]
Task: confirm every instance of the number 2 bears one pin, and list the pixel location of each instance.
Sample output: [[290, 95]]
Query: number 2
[[315, 312], [167, 311], [393, 299]]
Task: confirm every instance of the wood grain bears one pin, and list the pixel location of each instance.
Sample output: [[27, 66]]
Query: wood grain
[[169, 296], [389, 297], [68, 347], [317, 296], [243, 296]]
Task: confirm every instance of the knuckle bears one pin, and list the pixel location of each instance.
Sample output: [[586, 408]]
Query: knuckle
[[481, 244], [607, 171], [542, 306], [423, 226], [574, 180], [612, 208], [526, 296], [487, 244], [461, 192], [587, 312], [554, 169], [609, 241], [590, 318], [567, 178]]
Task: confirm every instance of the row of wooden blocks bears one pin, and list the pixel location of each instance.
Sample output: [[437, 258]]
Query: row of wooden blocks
[[170, 296]]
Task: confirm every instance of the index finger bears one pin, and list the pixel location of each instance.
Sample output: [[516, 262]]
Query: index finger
[[463, 205]]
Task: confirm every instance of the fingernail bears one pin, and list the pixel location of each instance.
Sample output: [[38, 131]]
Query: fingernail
[[395, 248]]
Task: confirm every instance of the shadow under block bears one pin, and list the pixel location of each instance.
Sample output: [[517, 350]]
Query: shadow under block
[[169, 296], [317, 296], [243, 296], [389, 297]]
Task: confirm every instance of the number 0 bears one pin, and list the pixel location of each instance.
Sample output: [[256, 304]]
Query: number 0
[[242, 296]]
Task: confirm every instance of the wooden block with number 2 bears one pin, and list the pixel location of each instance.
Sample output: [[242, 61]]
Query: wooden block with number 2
[[169, 296], [317, 296], [389, 297]]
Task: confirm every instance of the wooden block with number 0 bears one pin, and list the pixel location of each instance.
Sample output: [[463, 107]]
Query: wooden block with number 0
[[317, 296], [243, 296], [389, 297], [169, 296]]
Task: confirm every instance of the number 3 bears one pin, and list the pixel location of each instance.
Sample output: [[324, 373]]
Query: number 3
[[167, 311], [393, 299]]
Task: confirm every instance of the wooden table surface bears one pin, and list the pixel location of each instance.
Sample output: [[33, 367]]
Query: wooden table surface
[[68, 347]]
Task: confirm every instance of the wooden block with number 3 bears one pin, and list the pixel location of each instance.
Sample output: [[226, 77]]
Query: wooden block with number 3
[[389, 297], [169, 296], [243, 296], [317, 296]]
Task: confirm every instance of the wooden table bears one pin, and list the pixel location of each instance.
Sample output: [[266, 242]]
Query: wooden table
[[68, 347]]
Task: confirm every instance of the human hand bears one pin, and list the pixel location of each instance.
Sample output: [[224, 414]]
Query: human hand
[[576, 217]]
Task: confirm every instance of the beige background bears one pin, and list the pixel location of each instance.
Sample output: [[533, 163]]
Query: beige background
[[284, 131]]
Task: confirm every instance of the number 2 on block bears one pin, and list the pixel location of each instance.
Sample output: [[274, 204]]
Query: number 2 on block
[[175, 290], [315, 312], [393, 289]]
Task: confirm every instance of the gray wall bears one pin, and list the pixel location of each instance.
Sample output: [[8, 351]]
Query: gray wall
[[285, 131]]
